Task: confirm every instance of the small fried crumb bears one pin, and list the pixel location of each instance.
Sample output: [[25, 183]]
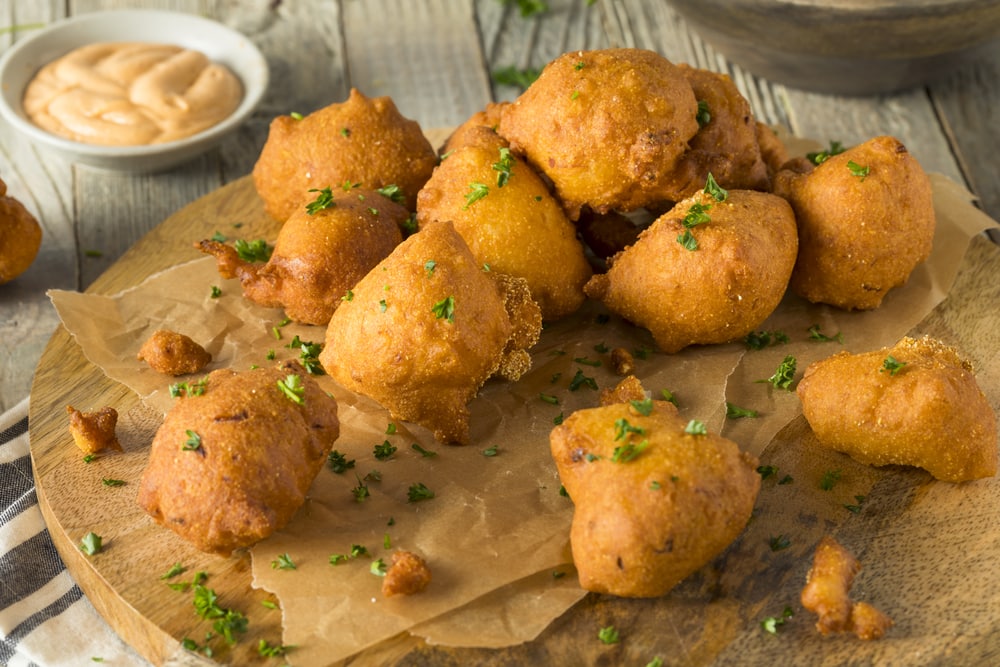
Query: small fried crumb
[[173, 353], [407, 574], [628, 389], [94, 431], [827, 594], [622, 361]]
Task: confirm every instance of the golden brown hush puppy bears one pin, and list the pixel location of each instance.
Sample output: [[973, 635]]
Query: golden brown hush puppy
[[361, 140], [655, 496], [20, 237], [94, 431], [232, 464], [505, 213], [322, 250], [423, 331], [173, 353], [709, 271], [827, 594], [866, 219], [916, 403], [725, 144], [605, 126]]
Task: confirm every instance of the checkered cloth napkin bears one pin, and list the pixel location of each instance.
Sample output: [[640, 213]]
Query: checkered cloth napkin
[[44, 617]]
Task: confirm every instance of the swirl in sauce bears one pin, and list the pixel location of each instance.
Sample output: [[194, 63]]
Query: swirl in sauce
[[130, 93]]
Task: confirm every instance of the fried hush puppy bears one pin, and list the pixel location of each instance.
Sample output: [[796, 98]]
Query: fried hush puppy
[[605, 126], [708, 271], [505, 213], [827, 594], [323, 249], [423, 331], [94, 432], [173, 353], [725, 144], [407, 574], [655, 499], [916, 403], [20, 237], [866, 220], [361, 140], [233, 464]]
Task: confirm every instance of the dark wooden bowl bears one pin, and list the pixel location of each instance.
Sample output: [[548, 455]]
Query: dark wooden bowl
[[851, 47]]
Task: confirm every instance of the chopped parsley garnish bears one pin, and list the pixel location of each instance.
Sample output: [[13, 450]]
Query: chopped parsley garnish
[[193, 441], [383, 305], [703, 116], [830, 477], [783, 375], [758, 340], [608, 635], [253, 251], [227, 621], [175, 569], [293, 388], [490, 451], [378, 567], [215, 292], [816, 334], [579, 65], [338, 462], [283, 562], [892, 365], [818, 158], [296, 115], [714, 189], [772, 623], [513, 76], [767, 471], [384, 450], [855, 508], [112, 482], [476, 192], [91, 543], [390, 428], [581, 380], [392, 192], [429, 267], [668, 396], [503, 166], [360, 492], [787, 479], [736, 412], [269, 604], [628, 452], [188, 388], [588, 362], [418, 492], [445, 309], [695, 427], [696, 215], [426, 453], [858, 170], [780, 542], [348, 296], [643, 407], [323, 201], [268, 650], [623, 428], [549, 398], [308, 355]]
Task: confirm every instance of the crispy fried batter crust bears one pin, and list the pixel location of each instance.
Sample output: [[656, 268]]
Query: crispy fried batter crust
[[930, 413]]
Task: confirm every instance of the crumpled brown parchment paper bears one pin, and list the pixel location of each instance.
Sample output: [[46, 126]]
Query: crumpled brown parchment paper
[[495, 535]]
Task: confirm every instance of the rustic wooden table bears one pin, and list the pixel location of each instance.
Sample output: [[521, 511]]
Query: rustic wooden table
[[435, 59]]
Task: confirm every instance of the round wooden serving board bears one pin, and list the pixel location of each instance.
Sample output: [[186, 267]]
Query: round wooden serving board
[[928, 547]]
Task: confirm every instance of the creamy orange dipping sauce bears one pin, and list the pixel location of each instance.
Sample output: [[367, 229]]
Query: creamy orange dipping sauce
[[130, 93]]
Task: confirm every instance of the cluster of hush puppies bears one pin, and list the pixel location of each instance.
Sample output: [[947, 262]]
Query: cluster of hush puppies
[[616, 176]]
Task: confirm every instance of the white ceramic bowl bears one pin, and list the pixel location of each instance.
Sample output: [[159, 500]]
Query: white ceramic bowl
[[218, 42]]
